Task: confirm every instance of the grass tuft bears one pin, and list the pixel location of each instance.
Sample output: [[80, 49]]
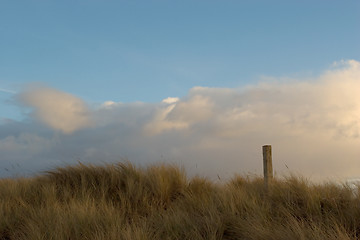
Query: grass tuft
[[121, 201]]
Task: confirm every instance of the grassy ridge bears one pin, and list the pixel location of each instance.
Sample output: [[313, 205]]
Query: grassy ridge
[[124, 202]]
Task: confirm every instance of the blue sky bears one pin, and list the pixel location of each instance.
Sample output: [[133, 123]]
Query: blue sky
[[146, 51]]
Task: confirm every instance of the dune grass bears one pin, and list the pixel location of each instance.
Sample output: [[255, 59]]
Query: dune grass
[[121, 201]]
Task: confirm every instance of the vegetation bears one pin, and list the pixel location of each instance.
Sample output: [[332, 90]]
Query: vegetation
[[158, 202]]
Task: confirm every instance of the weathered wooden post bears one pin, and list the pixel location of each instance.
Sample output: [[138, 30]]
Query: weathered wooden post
[[268, 170]]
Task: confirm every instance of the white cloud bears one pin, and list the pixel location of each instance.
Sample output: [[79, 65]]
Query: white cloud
[[108, 104], [195, 109], [160, 122], [58, 110], [180, 115], [170, 100], [313, 125]]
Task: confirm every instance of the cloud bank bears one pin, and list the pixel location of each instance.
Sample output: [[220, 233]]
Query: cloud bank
[[313, 125]]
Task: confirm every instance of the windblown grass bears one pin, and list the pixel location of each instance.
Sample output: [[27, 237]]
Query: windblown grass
[[158, 202]]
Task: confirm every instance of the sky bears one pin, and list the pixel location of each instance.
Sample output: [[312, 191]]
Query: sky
[[202, 84]]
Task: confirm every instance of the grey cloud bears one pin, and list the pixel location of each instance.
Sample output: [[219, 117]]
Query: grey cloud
[[313, 125]]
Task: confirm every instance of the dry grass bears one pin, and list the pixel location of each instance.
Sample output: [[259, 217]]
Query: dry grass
[[124, 202]]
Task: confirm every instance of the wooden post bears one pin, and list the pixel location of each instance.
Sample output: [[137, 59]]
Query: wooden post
[[268, 170]]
